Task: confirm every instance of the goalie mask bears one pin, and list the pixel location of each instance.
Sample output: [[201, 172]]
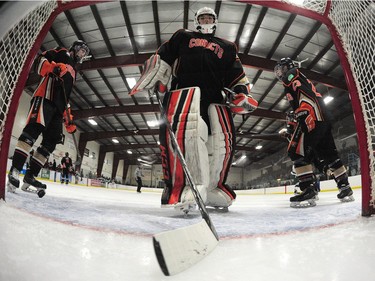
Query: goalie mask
[[80, 50], [283, 67], [206, 28]]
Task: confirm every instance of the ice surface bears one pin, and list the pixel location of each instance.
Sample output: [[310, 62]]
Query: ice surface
[[82, 233]]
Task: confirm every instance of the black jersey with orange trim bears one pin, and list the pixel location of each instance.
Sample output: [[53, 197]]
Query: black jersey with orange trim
[[301, 93], [66, 162], [202, 60], [49, 86]]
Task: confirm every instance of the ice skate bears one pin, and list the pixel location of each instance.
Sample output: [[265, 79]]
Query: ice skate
[[305, 199], [345, 194], [25, 187], [32, 185], [13, 180], [219, 200], [187, 203]]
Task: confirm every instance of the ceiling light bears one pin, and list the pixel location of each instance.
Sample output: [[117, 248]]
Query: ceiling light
[[328, 99], [153, 123], [131, 81], [92, 122], [115, 140], [129, 151], [158, 142], [242, 157], [258, 147], [283, 130]]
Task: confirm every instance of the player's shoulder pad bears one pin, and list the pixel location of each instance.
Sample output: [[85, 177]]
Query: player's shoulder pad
[[290, 75], [59, 49]]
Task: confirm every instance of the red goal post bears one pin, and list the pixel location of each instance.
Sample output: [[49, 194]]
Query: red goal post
[[351, 24]]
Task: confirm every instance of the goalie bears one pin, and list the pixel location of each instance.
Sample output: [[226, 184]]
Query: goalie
[[311, 135], [201, 65]]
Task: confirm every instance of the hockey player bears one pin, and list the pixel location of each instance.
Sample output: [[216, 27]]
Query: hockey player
[[48, 105], [312, 137], [138, 177], [202, 66], [67, 165]]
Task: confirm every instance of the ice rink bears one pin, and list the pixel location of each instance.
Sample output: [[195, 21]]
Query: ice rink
[[92, 234]]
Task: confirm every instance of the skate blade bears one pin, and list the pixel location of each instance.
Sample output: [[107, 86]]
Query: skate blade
[[347, 199], [11, 188], [303, 204], [31, 189], [25, 187], [185, 207], [218, 209]]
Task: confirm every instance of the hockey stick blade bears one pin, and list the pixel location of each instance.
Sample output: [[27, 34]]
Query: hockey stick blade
[[179, 249]]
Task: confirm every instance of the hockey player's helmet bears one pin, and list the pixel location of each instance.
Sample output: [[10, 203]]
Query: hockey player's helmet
[[205, 28], [76, 47], [282, 68]]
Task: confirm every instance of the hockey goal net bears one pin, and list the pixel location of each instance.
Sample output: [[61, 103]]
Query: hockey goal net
[[351, 23]]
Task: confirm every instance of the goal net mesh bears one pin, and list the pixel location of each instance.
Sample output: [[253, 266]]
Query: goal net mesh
[[15, 46]]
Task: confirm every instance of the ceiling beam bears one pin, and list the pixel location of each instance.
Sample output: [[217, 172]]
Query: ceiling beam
[[153, 108], [91, 136], [247, 61], [123, 147]]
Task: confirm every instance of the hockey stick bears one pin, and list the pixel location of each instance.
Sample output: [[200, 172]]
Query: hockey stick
[[79, 158], [179, 249]]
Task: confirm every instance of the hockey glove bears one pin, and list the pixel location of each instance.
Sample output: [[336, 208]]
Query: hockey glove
[[243, 104], [305, 119], [60, 69], [155, 70], [68, 121], [291, 124], [71, 128]]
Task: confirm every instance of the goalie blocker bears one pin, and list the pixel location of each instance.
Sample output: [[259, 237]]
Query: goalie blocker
[[208, 156]]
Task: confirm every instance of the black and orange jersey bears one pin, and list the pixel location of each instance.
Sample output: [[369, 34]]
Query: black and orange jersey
[[302, 94], [66, 162], [50, 87], [202, 60]]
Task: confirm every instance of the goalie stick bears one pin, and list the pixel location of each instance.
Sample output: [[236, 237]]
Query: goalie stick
[[179, 249]]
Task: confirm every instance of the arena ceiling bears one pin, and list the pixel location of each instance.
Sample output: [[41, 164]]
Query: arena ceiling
[[122, 35]]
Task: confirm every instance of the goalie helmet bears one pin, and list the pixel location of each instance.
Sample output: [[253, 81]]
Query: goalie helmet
[[282, 67], [205, 28], [76, 46]]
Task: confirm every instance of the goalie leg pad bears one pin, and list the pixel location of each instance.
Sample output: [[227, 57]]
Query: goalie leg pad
[[220, 151], [155, 70], [183, 113]]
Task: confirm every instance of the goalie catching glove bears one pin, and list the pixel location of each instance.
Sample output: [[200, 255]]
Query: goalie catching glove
[[68, 121], [243, 104], [155, 70]]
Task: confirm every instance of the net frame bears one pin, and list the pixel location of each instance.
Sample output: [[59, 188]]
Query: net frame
[[338, 19]]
